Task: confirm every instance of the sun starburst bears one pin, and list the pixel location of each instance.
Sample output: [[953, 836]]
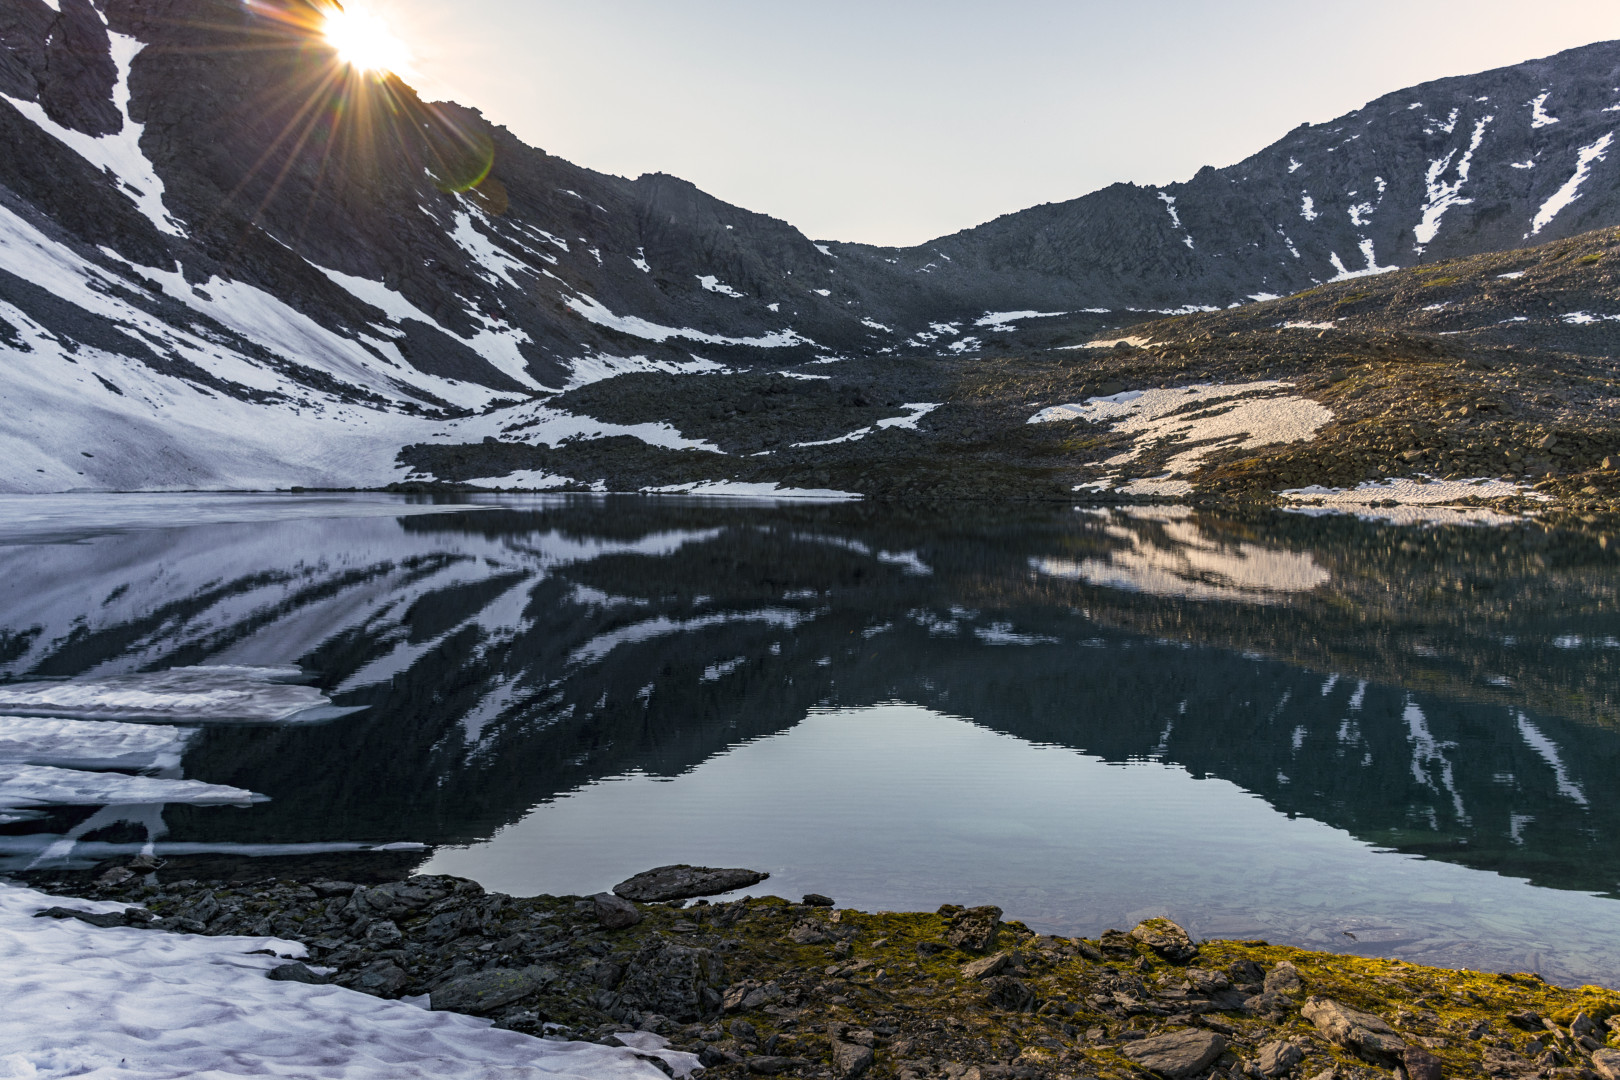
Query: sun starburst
[[364, 41]]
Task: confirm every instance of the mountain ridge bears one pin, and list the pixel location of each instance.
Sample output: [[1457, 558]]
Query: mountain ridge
[[217, 269]]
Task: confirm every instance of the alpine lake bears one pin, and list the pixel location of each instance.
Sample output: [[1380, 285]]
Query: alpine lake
[[1347, 735]]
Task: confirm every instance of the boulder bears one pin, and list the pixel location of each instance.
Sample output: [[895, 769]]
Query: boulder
[[484, 992], [398, 899], [1284, 979], [817, 900], [1178, 1054], [615, 913], [1362, 1033], [685, 882], [297, 973], [677, 981], [1278, 1058], [1422, 1065], [1167, 939], [1606, 1063], [851, 1059], [384, 979], [1009, 994], [987, 968], [975, 929]]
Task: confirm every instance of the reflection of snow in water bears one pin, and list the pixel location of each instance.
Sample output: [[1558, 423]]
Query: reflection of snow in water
[[1548, 750], [1179, 559], [167, 1006], [1428, 753]]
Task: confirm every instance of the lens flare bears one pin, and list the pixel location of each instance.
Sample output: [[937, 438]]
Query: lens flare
[[364, 41]]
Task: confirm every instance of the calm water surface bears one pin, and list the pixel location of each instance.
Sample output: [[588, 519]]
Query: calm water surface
[[1375, 739]]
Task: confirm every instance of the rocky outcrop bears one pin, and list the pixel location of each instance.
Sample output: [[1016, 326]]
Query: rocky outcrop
[[886, 995]]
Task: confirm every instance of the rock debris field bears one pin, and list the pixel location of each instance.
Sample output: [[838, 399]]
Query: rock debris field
[[436, 976]]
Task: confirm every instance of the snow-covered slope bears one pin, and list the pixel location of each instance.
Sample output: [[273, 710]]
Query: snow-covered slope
[[227, 262]]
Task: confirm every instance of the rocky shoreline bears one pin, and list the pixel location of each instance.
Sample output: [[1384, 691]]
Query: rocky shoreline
[[777, 988]]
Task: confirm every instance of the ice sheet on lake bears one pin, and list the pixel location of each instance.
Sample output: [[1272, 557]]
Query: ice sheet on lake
[[40, 517], [170, 1006], [196, 695], [89, 744], [25, 786], [733, 489]]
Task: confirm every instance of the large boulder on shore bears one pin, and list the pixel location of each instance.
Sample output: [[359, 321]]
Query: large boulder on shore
[[684, 883], [1178, 1054], [1362, 1033]]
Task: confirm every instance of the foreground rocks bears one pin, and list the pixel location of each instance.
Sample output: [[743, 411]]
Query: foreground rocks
[[802, 990], [685, 883]]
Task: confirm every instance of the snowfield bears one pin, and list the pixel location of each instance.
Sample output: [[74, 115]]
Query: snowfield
[[145, 1005], [1202, 419]]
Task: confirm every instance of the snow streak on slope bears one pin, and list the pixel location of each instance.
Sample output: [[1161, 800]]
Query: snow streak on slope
[[1443, 195], [592, 310], [118, 154], [1571, 191]]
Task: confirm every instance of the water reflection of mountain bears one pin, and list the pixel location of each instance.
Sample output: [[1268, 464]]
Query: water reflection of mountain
[[1443, 692]]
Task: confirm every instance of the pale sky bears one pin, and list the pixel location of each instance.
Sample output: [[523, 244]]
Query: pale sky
[[896, 121]]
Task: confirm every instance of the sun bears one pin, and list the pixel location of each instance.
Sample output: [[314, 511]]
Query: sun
[[364, 41]]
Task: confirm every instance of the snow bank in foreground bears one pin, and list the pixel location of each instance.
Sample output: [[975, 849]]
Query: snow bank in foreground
[[83, 1001], [194, 694]]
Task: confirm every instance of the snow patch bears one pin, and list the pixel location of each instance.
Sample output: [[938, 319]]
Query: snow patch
[[713, 284], [1370, 270], [1307, 209], [118, 154], [1419, 491], [1175, 217], [1203, 418], [1001, 321], [1571, 191], [593, 311], [914, 413], [171, 1006], [1443, 194], [1539, 117]]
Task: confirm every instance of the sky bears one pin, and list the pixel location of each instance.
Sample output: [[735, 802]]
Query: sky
[[898, 121]]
